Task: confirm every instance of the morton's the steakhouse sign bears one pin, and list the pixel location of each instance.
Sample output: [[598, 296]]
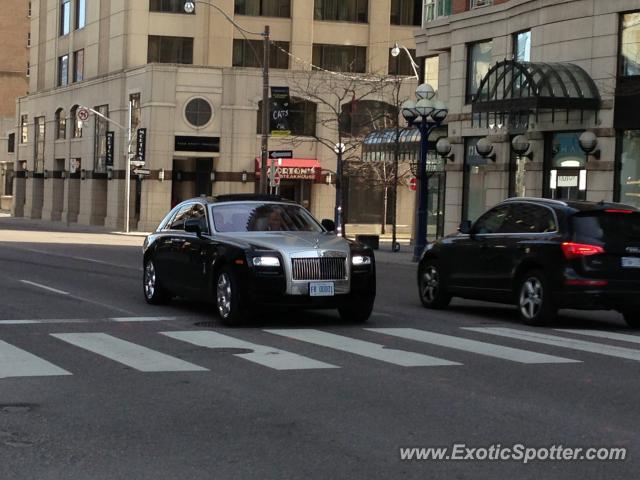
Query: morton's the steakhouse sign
[[298, 173]]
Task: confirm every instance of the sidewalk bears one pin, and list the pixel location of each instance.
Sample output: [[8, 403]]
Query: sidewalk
[[7, 222]]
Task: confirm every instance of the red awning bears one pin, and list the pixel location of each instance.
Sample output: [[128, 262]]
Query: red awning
[[295, 168]]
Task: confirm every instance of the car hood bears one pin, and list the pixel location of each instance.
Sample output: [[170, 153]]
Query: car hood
[[290, 242]]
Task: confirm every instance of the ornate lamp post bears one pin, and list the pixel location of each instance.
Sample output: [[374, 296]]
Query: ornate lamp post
[[426, 114]]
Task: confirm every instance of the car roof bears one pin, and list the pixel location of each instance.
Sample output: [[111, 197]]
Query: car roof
[[240, 197], [576, 205]]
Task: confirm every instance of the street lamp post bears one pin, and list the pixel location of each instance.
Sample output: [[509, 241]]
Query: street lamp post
[[338, 214], [426, 114]]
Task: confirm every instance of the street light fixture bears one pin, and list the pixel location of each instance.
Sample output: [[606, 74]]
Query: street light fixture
[[395, 51], [426, 115], [520, 146], [485, 149], [589, 144]]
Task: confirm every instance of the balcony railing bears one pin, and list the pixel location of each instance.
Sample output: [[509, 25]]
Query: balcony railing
[[435, 9], [481, 3]]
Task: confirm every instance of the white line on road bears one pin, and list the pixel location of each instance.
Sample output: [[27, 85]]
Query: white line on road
[[142, 319], [563, 342], [44, 287], [362, 348], [42, 320], [135, 356], [473, 346], [15, 362], [603, 334], [262, 354]]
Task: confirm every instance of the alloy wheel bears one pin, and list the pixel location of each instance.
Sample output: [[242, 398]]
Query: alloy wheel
[[531, 298], [224, 295], [149, 279], [430, 283]]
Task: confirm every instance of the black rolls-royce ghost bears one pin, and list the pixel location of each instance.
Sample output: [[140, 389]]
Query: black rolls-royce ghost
[[248, 252]]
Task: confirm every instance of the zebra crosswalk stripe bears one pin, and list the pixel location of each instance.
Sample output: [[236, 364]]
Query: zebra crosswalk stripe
[[130, 354], [15, 362], [362, 348], [261, 354], [472, 346], [603, 334], [563, 342]]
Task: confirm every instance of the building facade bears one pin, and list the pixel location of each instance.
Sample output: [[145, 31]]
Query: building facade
[[14, 70], [548, 70], [185, 90]]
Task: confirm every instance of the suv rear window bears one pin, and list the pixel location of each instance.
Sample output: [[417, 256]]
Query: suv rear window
[[606, 228]]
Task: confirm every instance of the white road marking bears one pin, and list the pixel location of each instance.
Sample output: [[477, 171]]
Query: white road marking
[[473, 346], [142, 319], [362, 348], [603, 334], [15, 362], [129, 354], [564, 342], [42, 320], [261, 354], [44, 287]]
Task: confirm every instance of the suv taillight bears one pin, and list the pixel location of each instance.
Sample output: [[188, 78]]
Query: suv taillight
[[573, 250]]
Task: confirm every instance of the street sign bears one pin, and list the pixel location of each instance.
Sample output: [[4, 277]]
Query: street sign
[[280, 154], [275, 182], [413, 184], [110, 147], [83, 114], [141, 144], [142, 171]]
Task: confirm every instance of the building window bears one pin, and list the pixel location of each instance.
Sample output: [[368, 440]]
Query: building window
[[29, 9], [136, 111], [474, 188], [405, 12], [81, 14], [24, 128], [478, 65], [435, 9], [522, 46], [629, 176], [630, 45], [263, 8], [76, 123], [63, 70], [28, 69], [38, 144], [61, 124], [11, 143], [401, 65], [342, 10], [481, 3], [78, 66], [8, 180], [28, 39], [167, 6], [246, 56], [302, 117], [170, 50], [101, 128], [362, 117], [340, 58], [198, 112], [65, 17]]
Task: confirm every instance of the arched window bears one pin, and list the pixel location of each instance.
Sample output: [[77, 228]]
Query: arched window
[[302, 117], [76, 123], [359, 118], [61, 124]]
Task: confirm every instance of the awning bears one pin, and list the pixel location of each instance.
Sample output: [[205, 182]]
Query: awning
[[380, 145], [523, 88], [294, 168]]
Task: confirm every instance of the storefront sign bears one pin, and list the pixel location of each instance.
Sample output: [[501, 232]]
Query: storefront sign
[[296, 173], [141, 144], [110, 145], [567, 181], [279, 120], [197, 144]]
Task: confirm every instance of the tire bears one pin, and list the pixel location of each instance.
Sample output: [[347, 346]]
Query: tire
[[357, 309], [432, 286], [154, 292], [534, 301], [632, 317], [230, 307]]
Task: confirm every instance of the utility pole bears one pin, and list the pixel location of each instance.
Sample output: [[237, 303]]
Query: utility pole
[[264, 182]]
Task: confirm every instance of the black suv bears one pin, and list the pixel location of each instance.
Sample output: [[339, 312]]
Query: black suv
[[541, 255]]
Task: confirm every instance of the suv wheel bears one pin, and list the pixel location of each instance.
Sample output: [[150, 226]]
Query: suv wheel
[[632, 317], [431, 286], [230, 308], [535, 304]]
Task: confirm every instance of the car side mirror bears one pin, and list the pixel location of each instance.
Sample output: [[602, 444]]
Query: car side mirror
[[329, 225], [192, 225], [465, 227]]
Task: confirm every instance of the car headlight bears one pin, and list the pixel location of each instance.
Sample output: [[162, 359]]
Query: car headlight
[[359, 260], [266, 262]]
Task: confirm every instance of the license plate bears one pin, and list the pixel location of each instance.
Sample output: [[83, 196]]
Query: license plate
[[631, 262], [324, 289]]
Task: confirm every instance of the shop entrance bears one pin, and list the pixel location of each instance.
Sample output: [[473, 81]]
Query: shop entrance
[[191, 177], [298, 191], [568, 184], [565, 167]]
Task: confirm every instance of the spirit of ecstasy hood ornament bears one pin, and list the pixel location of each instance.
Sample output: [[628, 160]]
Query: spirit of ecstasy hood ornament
[[317, 245]]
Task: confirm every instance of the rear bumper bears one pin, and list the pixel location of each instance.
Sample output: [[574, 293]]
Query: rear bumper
[[588, 298]]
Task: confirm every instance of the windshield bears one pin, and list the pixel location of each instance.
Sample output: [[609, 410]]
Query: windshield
[[262, 217], [606, 228]]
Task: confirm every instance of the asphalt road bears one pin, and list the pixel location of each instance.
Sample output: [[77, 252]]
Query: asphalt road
[[99, 385]]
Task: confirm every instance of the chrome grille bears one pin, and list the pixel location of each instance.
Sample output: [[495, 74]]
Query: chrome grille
[[326, 268]]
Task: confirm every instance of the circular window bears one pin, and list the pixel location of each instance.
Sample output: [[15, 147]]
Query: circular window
[[198, 112]]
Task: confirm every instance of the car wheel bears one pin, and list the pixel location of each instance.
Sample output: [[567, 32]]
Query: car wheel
[[632, 317], [357, 309], [154, 292], [231, 310], [535, 305], [432, 287]]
